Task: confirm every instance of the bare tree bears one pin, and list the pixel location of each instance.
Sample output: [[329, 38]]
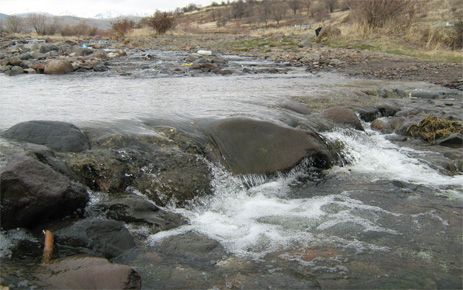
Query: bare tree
[[238, 9], [376, 13], [122, 26], [279, 9], [38, 23], [307, 4], [14, 24], [265, 11], [161, 22], [331, 5], [294, 5]]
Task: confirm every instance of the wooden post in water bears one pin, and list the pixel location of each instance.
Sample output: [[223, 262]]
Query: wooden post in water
[[48, 246]]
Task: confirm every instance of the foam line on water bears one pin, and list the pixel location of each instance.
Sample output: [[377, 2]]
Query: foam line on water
[[375, 157]]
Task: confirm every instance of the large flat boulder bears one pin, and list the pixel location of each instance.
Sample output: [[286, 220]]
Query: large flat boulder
[[247, 146], [59, 136], [88, 273], [31, 193]]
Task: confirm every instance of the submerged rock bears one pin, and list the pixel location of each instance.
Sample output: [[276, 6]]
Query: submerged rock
[[88, 273], [139, 210], [58, 67], [104, 237], [32, 192], [59, 136], [344, 117], [247, 146], [192, 248]]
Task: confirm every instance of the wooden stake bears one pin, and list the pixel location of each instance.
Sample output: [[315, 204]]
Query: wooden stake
[[48, 246]]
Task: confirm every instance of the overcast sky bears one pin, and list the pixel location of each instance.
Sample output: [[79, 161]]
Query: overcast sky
[[90, 8]]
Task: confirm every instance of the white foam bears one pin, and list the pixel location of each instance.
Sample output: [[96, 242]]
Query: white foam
[[376, 158], [259, 220], [262, 219]]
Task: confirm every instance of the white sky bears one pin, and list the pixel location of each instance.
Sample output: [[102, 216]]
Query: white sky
[[90, 8]]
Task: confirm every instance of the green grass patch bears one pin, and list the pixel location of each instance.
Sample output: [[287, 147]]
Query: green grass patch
[[391, 47]]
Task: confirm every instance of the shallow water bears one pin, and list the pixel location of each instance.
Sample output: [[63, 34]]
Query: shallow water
[[386, 202]]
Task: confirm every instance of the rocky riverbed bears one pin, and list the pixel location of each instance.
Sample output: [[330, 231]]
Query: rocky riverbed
[[177, 170]]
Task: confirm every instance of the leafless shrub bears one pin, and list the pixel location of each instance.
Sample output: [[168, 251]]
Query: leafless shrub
[[377, 13], [122, 26], [14, 24], [161, 22], [82, 28], [38, 23], [456, 9], [279, 9], [295, 5]]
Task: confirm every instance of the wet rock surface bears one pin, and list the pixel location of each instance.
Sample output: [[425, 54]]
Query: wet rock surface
[[94, 236], [59, 136], [32, 192], [387, 214], [247, 146], [88, 273]]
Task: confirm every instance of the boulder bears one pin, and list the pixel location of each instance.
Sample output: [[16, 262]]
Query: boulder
[[139, 210], [247, 146], [48, 47], [88, 273], [174, 177], [57, 66], [343, 117], [32, 193], [95, 236], [387, 125], [15, 70], [453, 140], [192, 248], [369, 114], [59, 136]]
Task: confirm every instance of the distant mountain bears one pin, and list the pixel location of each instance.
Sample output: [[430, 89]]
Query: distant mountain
[[3, 16]]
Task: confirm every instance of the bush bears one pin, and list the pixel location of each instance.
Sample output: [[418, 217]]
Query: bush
[[161, 22], [79, 29], [122, 26], [377, 13]]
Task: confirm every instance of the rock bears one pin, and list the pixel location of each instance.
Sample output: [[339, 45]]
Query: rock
[[388, 110], [247, 146], [88, 273], [453, 140], [387, 125], [58, 67], [98, 236], [139, 210], [14, 61], [15, 70], [369, 114], [344, 117], [192, 248], [83, 51], [59, 136], [328, 32], [296, 107], [45, 48], [174, 177], [30, 71], [32, 193]]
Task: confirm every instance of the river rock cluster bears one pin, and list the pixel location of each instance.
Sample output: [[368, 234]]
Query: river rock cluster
[[55, 170], [30, 56]]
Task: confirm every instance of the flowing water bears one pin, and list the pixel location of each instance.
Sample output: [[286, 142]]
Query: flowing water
[[386, 218]]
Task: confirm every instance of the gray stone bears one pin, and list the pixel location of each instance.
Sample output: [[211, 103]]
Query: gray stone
[[103, 237], [247, 146], [343, 117], [59, 136], [87, 273], [32, 193]]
